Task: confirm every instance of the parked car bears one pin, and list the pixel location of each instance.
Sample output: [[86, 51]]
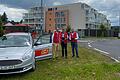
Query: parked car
[[18, 53]]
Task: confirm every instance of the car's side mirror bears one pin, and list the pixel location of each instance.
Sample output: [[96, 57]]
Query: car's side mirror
[[37, 43]]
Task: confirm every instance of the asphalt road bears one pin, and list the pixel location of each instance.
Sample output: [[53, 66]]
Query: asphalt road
[[110, 47]]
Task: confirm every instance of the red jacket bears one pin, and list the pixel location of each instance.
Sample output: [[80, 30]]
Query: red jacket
[[73, 36], [56, 37], [64, 37]]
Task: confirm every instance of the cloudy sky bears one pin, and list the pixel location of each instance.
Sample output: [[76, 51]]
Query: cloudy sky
[[15, 8]]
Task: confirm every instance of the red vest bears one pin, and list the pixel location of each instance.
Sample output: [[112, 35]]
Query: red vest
[[73, 36], [56, 37], [65, 37]]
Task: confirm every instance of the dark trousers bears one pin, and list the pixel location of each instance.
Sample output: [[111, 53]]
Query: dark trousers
[[74, 47], [64, 49]]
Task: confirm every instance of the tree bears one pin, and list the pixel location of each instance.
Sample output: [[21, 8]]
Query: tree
[[1, 28], [21, 21], [103, 29], [13, 22], [68, 28], [4, 18]]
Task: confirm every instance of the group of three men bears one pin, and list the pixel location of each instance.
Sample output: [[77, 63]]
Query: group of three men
[[62, 38]]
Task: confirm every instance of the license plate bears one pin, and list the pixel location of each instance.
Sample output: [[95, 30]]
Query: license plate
[[6, 67]]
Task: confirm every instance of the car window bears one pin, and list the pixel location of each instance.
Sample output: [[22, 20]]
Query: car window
[[44, 39], [15, 41]]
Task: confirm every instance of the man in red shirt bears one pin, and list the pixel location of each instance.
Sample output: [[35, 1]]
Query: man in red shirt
[[64, 40], [73, 38], [55, 41]]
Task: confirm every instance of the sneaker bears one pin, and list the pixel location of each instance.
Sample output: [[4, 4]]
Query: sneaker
[[77, 56], [72, 56]]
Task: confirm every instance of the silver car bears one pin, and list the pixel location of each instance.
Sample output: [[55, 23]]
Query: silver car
[[18, 53]]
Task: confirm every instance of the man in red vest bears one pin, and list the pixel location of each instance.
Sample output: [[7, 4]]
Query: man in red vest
[[55, 41], [64, 40], [73, 38]]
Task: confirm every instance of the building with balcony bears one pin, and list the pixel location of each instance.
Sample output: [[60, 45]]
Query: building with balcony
[[56, 18], [35, 18], [80, 16]]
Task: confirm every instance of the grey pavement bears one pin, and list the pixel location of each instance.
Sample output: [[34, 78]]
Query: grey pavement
[[112, 47]]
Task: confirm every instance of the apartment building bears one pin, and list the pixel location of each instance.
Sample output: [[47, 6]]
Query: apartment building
[[56, 18], [80, 16], [35, 18]]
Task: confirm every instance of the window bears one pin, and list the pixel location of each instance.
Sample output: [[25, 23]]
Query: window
[[49, 24], [50, 13], [49, 9], [64, 20], [87, 12], [63, 25], [62, 14], [55, 8], [87, 26], [50, 19], [58, 20], [57, 14], [57, 25]]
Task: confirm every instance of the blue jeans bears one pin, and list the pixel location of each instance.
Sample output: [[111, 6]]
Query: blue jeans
[[74, 47]]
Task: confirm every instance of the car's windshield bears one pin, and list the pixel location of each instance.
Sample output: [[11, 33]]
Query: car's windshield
[[15, 41]]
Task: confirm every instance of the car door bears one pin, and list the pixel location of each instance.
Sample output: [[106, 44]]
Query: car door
[[43, 50]]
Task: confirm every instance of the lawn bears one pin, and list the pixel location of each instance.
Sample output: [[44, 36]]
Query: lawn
[[90, 65]]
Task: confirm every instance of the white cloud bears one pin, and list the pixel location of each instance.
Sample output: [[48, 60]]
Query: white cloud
[[57, 3], [12, 13]]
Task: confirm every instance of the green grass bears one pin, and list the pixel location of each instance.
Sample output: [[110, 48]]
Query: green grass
[[90, 66]]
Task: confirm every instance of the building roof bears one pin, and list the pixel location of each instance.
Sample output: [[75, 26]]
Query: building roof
[[9, 24], [21, 25]]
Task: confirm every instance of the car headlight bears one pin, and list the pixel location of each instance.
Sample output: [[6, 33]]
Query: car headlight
[[27, 56]]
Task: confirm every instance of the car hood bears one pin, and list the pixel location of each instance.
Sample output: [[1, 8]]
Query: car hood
[[13, 52]]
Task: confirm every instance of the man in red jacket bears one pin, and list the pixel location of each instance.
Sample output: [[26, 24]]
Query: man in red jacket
[[73, 38], [64, 40], [55, 41]]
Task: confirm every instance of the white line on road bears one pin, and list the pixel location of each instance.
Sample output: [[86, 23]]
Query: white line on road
[[89, 45], [115, 59], [105, 53], [101, 51], [83, 41]]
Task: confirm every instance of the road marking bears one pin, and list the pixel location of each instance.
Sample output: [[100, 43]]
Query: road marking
[[115, 59], [89, 45], [84, 41], [101, 51], [105, 53]]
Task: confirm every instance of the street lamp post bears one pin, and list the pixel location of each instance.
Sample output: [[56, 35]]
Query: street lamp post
[[41, 19], [41, 22], [119, 26], [88, 31]]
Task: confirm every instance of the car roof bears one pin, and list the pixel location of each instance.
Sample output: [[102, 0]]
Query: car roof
[[19, 33]]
